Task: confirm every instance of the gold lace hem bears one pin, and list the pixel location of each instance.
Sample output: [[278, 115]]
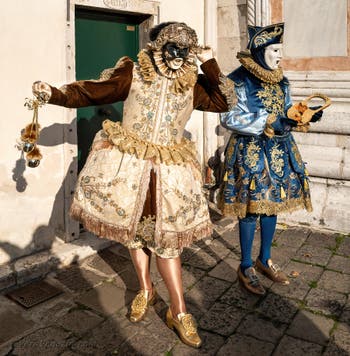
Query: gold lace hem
[[167, 239], [130, 143], [267, 76], [98, 227], [265, 207]]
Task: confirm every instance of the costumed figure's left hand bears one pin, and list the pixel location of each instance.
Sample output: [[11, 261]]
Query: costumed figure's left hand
[[317, 116], [205, 54]]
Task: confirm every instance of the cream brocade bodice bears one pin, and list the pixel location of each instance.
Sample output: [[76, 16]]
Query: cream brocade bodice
[[154, 113]]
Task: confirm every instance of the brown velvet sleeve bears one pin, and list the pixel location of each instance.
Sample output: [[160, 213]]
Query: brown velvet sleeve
[[207, 94], [96, 92]]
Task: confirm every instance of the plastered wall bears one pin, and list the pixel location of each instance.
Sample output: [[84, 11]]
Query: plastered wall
[[37, 40]]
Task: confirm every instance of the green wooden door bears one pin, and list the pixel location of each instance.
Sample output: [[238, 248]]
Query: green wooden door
[[100, 40]]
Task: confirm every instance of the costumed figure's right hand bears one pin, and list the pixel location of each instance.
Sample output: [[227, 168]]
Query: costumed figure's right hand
[[41, 90], [205, 53]]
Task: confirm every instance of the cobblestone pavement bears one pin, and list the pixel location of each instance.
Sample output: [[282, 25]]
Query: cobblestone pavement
[[309, 317]]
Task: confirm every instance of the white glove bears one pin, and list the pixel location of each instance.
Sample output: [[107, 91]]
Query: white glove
[[205, 54], [41, 90]]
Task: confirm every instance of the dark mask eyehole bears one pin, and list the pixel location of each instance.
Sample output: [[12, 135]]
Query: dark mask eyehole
[[172, 51]]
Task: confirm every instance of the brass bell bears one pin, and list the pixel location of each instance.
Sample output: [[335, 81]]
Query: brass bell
[[32, 163], [28, 147]]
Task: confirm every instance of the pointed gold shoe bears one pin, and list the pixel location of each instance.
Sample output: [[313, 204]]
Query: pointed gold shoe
[[186, 328], [140, 304]]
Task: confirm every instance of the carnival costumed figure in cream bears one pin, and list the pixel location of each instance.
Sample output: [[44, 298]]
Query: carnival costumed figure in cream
[[141, 184], [265, 174]]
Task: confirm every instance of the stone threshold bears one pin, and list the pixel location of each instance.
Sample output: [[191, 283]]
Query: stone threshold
[[38, 265]]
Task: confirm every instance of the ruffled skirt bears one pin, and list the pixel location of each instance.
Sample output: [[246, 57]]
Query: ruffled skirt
[[113, 185], [264, 176]]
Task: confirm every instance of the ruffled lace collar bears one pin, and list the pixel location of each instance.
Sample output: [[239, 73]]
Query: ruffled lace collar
[[267, 76], [183, 78]]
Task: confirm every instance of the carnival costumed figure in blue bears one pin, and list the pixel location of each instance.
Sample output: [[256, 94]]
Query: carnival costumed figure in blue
[[265, 174]]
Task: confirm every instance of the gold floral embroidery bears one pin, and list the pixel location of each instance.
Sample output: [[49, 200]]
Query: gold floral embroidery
[[265, 36], [94, 194], [272, 98], [169, 128], [191, 203], [144, 125], [148, 102], [277, 163], [252, 157], [145, 228]]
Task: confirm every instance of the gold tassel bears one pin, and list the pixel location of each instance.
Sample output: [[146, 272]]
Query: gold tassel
[[306, 172], [306, 184], [225, 177], [283, 193], [252, 184]]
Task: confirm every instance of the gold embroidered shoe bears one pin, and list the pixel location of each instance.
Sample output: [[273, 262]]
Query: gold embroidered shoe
[[140, 304], [250, 281], [273, 271], [186, 328]]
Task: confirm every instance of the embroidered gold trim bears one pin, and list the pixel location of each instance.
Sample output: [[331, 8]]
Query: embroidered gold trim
[[167, 239], [269, 130], [265, 207], [265, 36], [130, 143], [268, 76], [227, 88]]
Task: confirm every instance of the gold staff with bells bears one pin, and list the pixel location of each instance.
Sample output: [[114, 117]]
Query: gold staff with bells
[[30, 134]]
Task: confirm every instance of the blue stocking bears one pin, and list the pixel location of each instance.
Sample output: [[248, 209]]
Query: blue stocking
[[268, 227], [247, 227]]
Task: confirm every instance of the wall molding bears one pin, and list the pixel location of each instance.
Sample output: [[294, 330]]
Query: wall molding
[[334, 84], [128, 7]]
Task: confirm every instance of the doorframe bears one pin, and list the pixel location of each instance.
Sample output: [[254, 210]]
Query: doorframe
[[147, 11]]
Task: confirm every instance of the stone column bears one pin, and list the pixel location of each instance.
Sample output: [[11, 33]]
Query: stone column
[[210, 120], [258, 12]]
